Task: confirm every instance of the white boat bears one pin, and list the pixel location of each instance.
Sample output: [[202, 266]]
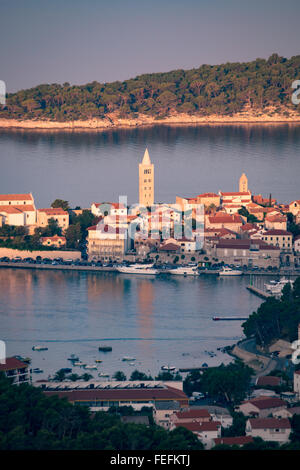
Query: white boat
[[138, 269], [276, 287], [130, 359], [90, 367], [102, 374], [39, 348], [184, 271], [168, 368], [226, 271], [79, 364]]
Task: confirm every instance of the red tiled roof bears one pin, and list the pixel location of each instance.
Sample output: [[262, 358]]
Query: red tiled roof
[[16, 197], [269, 423], [247, 193], [268, 380], [248, 226], [169, 247], [245, 244], [264, 403], [277, 232], [167, 393], [53, 211], [208, 195], [11, 209], [12, 363], [54, 238], [231, 441], [221, 218]]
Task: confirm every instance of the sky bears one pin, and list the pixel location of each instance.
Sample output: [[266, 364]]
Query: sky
[[57, 41]]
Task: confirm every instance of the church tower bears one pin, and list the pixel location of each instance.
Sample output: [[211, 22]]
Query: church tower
[[146, 181], [243, 184]]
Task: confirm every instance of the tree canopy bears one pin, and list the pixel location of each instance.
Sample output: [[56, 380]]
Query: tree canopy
[[276, 318], [222, 89]]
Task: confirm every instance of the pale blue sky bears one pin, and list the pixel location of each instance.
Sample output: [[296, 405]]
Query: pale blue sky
[[47, 41]]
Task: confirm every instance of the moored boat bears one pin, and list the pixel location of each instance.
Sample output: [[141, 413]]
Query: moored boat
[[226, 271], [39, 348], [184, 271], [168, 368], [147, 269]]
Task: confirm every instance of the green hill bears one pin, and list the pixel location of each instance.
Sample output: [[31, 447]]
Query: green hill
[[260, 86]]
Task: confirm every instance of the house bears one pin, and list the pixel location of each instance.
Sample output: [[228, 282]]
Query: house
[[170, 246], [107, 243], [190, 416], [206, 432], [16, 370], [276, 222], [248, 229], [55, 241], [247, 252], [232, 222], [233, 441], [162, 412], [261, 407], [259, 199], [207, 199], [269, 429], [219, 233], [108, 208], [56, 213], [280, 238], [294, 207], [187, 245]]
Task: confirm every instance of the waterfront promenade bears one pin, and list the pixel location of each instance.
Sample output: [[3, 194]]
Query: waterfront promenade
[[76, 267]]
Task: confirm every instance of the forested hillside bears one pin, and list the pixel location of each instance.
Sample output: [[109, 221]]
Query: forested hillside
[[259, 86]]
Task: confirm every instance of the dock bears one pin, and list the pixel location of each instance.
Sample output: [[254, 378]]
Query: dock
[[259, 292]]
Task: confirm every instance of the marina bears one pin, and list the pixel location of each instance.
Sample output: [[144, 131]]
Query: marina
[[153, 321]]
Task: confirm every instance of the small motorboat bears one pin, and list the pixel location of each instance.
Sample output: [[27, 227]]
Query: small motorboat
[[98, 361], [39, 348], [102, 374], [79, 364], [168, 368], [37, 370], [90, 367], [129, 359], [227, 271]]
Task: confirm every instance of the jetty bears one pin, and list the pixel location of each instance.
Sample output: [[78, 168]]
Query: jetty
[[259, 292]]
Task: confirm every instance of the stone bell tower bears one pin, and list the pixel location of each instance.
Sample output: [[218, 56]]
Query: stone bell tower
[[146, 181]]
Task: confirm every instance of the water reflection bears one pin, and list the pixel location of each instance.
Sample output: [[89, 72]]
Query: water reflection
[[83, 167]]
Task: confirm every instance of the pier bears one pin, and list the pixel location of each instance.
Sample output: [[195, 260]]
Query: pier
[[259, 292]]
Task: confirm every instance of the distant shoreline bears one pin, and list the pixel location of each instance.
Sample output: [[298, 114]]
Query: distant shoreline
[[180, 120]]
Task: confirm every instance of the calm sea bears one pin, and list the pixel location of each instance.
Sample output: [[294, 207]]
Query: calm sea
[[91, 167], [161, 321]]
